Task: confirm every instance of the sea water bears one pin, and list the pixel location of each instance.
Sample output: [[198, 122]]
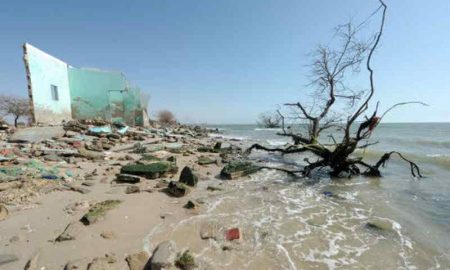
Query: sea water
[[320, 223]]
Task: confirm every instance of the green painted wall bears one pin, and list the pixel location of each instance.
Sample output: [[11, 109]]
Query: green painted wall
[[104, 94], [44, 71], [84, 93]]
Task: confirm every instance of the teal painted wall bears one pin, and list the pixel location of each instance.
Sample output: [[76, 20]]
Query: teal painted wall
[[104, 94], [44, 71], [84, 93]]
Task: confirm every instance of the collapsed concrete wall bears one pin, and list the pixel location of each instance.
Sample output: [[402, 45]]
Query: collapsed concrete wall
[[48, 86], [60, 92]]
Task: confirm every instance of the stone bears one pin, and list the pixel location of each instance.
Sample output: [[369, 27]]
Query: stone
[[218, 146], [214, 188], [69, 232], [177, 189], [209, 230], [108, 235], [172, 159], [137, 261], [188, 177], [7, 258], [150, 171], [91, 155], [185, 261], [190, 205], [132, 189], [98, 211], [103, 263], [164, 256], [379, 225], [3, 212], [150, 157], [204, 160], [238, 169], [80, 264], [127, 178], [32, 264]]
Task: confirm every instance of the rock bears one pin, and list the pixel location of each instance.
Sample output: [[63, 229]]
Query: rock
[[127, 178], [209, 230], [188, 177], [150, 171], [177, 189], [185, 261], [77, 206], [233, 234], [3, 212], [132, 189], [380, 225], [163, 256], [214, 188], [69, 233], [150, 157], [88, 184], [204, 160], [103, 263], [174, 147], [172, 159], [7, 258], [91, 155], [98, 211], [190, 205], [238, 169], [32, 264], [137, 261], [218, 146], [80, 264], [108, 235]]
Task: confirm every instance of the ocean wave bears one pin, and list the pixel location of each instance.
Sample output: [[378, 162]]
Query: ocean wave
[[227, 137], [442, 160], [416, 142], [267, 129], [276, 143]]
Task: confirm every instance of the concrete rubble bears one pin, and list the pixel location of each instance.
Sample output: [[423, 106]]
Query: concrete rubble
[[79, 155]]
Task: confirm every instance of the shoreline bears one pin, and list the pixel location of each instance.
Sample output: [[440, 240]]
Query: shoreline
[[31, 227]]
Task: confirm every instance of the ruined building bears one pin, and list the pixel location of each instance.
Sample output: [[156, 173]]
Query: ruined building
[[59, 92]]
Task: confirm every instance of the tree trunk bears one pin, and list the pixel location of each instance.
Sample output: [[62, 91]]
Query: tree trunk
[[16, 119]]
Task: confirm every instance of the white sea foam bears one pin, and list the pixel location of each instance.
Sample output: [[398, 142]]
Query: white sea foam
[[276, 143], [268, 129], [227, 137]]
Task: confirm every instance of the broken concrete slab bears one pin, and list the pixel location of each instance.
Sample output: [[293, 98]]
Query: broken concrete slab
[[69, 233], [150, 171], [127, 178], [188, 177], [137, 261], [177, 189], [36, 134], [204, 160], [164, 256], [98, 211], [238, 169]]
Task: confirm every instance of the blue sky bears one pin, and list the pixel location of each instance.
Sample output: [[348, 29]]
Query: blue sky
[[226, 61]]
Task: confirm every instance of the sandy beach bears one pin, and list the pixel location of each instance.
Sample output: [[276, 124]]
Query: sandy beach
[[33, 224]]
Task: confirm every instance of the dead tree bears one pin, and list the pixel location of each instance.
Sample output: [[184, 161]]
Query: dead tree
[[269, 120], [335, 105], [16, 107]]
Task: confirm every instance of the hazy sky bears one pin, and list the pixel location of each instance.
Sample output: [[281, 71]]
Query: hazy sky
[[226, 61]]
